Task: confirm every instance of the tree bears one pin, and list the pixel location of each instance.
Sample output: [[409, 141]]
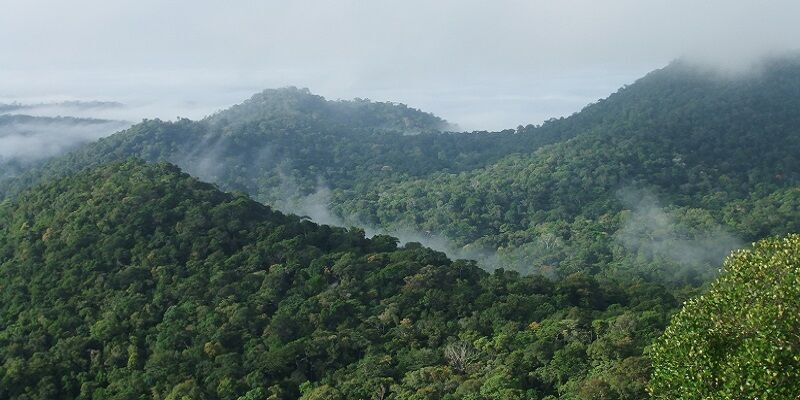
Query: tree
[[460, 355], [740, 340]]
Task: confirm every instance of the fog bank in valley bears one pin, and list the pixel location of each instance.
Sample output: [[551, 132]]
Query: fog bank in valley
[[24, 138]]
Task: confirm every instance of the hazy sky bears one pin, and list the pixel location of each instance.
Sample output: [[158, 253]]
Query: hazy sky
[[481, 64]]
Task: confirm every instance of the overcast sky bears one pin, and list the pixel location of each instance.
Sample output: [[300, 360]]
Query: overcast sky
[[481, 64]]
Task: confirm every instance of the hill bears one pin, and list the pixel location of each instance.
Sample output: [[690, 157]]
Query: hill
[[658, 181], [682, 162], [287, 141], [134, 280], [293, 106], [57, 108]]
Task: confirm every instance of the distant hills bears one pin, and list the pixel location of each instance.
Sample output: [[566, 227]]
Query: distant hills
[[123, 277], [291, 105], [680, 156], [64, 106], [710, 154]]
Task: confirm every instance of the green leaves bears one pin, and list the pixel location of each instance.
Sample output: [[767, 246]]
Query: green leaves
[[739, 340], [133, 280]]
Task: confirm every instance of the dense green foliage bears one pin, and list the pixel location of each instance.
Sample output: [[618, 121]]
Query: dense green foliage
[[289, 136], [740, 340], [292, 106], [712, 149], [135, 281], [564, 197]]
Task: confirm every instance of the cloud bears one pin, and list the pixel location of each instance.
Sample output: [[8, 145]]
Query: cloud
[[290, 197], [26, 139], [205, 54], [652, 233]]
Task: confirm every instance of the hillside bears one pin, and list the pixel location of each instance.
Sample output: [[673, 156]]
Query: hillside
[[679, 162], [658, 181], [134, 280], [286, 142]]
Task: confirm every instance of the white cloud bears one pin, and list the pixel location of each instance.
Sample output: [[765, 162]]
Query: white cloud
[[31, 139]]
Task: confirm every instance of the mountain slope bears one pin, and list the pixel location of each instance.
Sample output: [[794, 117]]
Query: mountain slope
[[289, 138], [668, 174], [136, 281], [703, 151]]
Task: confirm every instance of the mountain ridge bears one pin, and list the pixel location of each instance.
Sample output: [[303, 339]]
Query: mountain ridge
[[680, 134]]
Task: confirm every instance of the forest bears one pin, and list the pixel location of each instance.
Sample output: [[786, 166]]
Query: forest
[[293, 247], [135, 280]]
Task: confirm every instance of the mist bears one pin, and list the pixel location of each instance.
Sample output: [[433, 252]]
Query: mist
[[27, 139], [317, 206], [651, 232]]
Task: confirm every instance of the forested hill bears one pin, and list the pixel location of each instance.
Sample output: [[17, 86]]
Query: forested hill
[[290, 138], [292, 106], [675, 170], [134, 281], [668, 174]]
